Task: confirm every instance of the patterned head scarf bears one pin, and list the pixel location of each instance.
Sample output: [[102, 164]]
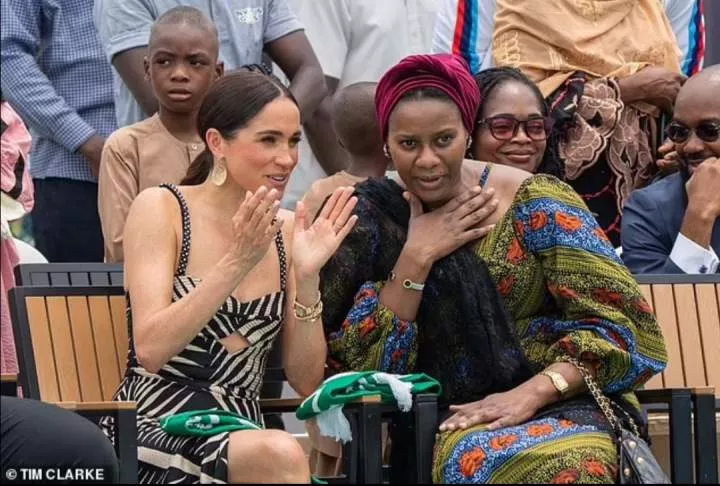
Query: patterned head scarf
[[445, 72]]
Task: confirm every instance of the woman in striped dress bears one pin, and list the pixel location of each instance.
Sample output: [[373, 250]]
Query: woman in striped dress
[[213, 271]]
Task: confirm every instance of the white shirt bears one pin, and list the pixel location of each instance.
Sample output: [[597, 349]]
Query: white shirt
[[356, 41], [693, 258]]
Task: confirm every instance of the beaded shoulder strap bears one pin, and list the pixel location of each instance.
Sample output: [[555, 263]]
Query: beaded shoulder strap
[[185, 249]]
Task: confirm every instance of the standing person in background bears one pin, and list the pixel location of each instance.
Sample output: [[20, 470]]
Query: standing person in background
[[355, 41], [245, 28], [55, 76], [17, 200], [355, 123], [606, 87], [465, 28], [181, 66]]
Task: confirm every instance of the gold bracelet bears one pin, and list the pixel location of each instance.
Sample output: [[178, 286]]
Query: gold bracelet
[[298, 305], [307, 312], [312, 316]]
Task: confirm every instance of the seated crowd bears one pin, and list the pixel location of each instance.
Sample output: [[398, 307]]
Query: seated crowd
[[485, 229]]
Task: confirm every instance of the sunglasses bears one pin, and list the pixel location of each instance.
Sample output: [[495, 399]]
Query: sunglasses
[[706, 131], [505, 128]]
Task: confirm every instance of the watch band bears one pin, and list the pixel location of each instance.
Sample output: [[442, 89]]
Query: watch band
[[407, 283]]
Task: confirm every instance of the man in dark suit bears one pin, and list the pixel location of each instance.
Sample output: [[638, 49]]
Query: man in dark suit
[[673, 226]]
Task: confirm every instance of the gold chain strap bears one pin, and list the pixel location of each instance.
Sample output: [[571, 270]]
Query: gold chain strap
[[602, 401]]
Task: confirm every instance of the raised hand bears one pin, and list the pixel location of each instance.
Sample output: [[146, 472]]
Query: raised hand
[[702, 188], [438, 233], [254, 226], [315, 244], [670, 161]]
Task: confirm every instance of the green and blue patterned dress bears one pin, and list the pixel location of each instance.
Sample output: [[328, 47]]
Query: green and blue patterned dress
[[567, 293]]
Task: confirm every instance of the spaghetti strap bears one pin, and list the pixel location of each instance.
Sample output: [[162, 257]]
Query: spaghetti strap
[[485, 174], [185, 249], [280, 244]]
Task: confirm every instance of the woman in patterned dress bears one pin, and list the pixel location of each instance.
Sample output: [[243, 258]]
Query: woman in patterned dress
[[487, 278], [205, 306]]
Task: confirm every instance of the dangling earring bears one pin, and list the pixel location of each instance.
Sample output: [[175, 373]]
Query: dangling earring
[[468, 153], [386, 151], [219, 173]]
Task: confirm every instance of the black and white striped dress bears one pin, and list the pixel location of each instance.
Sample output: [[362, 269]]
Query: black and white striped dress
[[204, 375]]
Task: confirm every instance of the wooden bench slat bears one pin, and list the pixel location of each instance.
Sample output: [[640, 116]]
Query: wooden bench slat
[[689, 335], [665, 311], [85, 349], [42, 349], [120, 330], [709, 316], [97, 406], [657, 380], [105, 348], [64, 352]]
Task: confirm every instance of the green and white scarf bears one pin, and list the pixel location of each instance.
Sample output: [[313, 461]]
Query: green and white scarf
[[326, 403], [206, 423]]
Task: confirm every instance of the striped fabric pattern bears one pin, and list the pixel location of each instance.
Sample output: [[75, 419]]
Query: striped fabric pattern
[[693, 61], [466, 32]]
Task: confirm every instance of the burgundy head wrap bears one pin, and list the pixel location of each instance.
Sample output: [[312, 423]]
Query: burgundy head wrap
[[445, 72]]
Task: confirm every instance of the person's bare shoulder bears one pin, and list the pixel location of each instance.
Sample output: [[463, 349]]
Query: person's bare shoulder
[[504, 178], [155, 204]]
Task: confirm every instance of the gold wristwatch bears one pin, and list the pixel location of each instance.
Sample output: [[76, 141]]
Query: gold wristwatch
[[558, 381]]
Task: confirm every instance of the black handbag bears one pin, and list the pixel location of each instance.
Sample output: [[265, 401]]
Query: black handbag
[[636, 462]]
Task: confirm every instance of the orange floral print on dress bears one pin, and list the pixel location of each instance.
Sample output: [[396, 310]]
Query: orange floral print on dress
[[368, 325], [568, 476], [608, 297], [538, 220], [540, 430], [568, 222], [595, 468], [503, 442], [563, 292], [515, 254], [471, 462], [643, 306], [505, 285]]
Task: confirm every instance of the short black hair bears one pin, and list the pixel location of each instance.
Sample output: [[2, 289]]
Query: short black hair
[[490, 79], [185, 15], [355, 120]]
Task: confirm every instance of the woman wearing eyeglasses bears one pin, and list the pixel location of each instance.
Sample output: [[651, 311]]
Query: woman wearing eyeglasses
[[513, 126], [491, 280]]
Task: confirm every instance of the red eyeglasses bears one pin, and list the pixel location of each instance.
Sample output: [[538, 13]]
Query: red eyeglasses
[[504, 127]]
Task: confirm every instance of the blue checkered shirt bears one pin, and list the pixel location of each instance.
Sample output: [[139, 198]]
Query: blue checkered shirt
[[56, 76]]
